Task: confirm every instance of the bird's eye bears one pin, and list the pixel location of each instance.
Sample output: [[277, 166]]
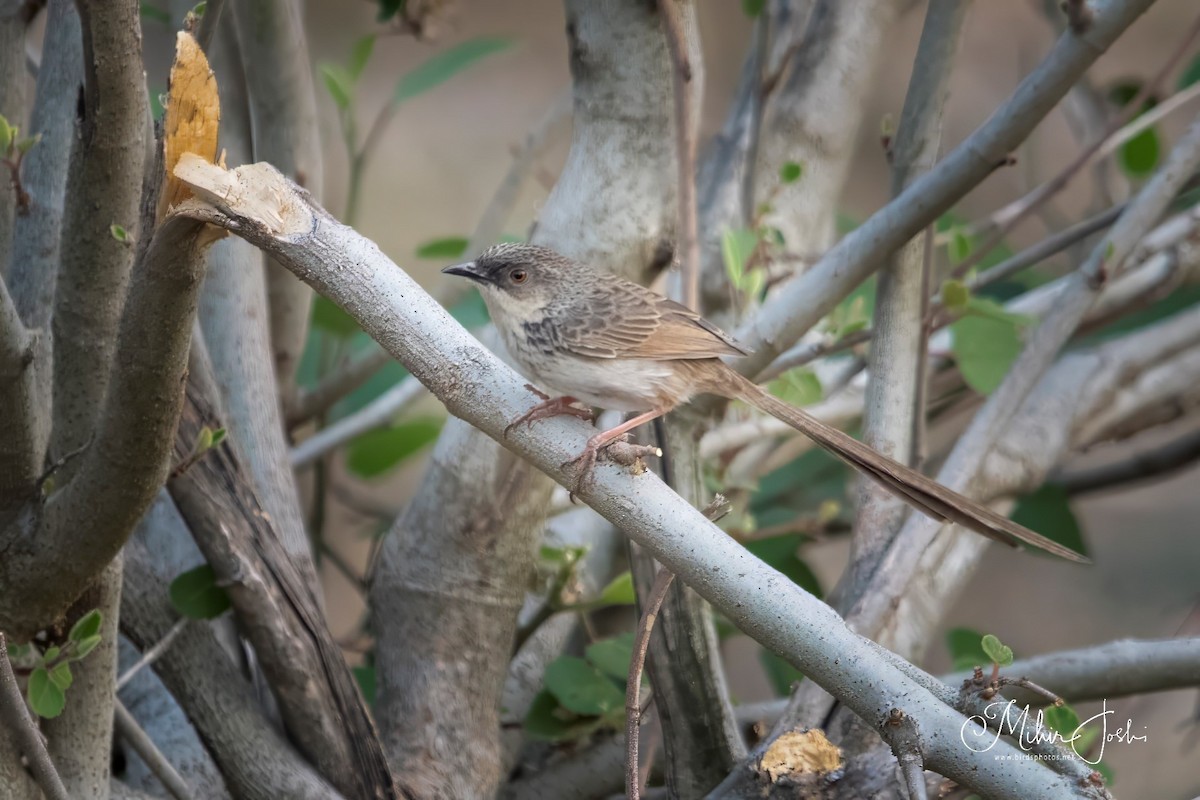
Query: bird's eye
[[518, 275]]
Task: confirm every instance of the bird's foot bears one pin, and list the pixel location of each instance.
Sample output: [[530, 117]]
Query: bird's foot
[[556, 407], [628, 455]]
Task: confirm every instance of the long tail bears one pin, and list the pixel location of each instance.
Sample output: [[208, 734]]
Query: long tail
[[919, 491]]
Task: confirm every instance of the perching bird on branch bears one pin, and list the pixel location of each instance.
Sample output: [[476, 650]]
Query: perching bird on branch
[[595, 338]]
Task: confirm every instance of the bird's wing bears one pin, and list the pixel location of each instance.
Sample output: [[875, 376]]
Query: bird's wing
[[626, 320]]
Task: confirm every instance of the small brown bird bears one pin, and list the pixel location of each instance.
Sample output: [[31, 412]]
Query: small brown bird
[[595, 338]]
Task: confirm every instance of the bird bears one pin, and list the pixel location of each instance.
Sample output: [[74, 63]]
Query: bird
[[587, 336]]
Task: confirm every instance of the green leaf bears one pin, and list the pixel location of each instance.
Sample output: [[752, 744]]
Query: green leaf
[[753, 8], [1190, 75], [87, 626], [328, 317], [376, 452], [195, 594], [790, 172], [781, 674], [360, 54], [1140, 155], [960, 246], [153, 12], [1048, 511], [548, 721], [612, 656], [27, 144], [445, 247], [339, 83], [7, 132], [199, 9], [799, 386], [983, 307], [964, 647], [61, 676], [795, 489], [955, 295], [365, 677], [445, 65], [51, 653], [1062, 719], [85, 646], [204, 440], [582, 688], [218, 436], [996, 650], [737, 245], [119, 233], [18, 652], [389, 9], [985, 348], [45, 698], [619, 591], [560, 556]]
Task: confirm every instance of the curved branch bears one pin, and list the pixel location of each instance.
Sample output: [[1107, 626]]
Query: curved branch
[[24, 731]]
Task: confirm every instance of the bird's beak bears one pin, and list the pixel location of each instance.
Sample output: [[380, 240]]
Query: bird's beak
[[467, 270]]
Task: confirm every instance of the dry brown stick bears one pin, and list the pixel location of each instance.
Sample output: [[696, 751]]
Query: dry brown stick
[[685, 147], [1056, 184], [637, 664], [29, 738]]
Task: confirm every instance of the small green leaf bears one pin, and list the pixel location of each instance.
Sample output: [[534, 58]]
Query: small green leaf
[[548, 721], [985, 348], [84, 647], [560, 556], [218, 436], [61, 676], [996, 650], [799, 386], [1048, 511], [582, 688], [955, 295], [204, 440], [1190, 75], [753, 8], [87, 626], [360, 54], [389, 9], [790, 172], [1140, 155], [45, 698], [964, 647], [612, 656], [365, 677], [7, 133], [737, 246], [52, 652], [195, 594], [199, 9], [331, 319], [983, 307], [18, 652], [445, 247], [27, 144], [619, 591], [376, 452], [339, 84], [1061, 719], [961, 245], [445, 65], [119, 233]]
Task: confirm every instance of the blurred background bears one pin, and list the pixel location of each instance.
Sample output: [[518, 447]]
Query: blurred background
[[445, 152]]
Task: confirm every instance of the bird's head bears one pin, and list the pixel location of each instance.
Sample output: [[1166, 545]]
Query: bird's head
[[517, 277]]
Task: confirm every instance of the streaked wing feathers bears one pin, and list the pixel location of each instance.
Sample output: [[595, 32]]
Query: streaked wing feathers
[[627, 320]]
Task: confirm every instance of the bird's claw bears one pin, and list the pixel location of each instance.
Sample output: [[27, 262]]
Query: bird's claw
[[557, 407]]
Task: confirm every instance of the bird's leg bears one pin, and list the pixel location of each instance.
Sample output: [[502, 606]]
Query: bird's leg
[[586, 460], [556, 407]]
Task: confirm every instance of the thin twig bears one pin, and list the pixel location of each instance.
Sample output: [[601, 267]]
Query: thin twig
[[685, 148], [129, 730], [806, 353], [23, 728], [1008, 218], [153, 654], [633, 703], [1156, 462]]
